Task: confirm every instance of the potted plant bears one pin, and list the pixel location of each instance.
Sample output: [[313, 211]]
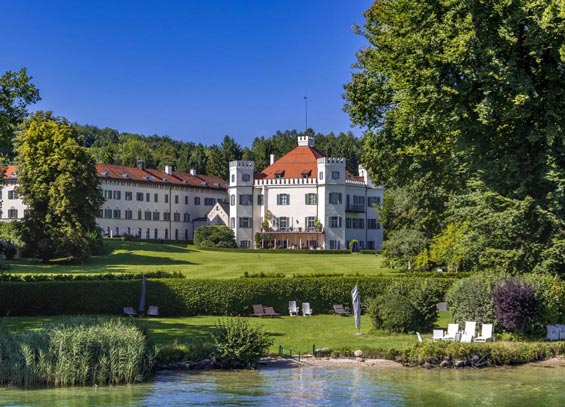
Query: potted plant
[[318, 225]]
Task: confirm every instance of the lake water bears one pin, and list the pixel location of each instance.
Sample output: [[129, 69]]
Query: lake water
[[318, 386]]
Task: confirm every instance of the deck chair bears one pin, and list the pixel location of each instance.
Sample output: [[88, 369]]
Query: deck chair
[[438, 335], [153, 311], [340, 310], [306, 310], [452, 330], [486, 333], [469, 332], [258, 310], [561, 331], [419, 337], [552, 333], [130, 312], [292, 308], [270, 312]]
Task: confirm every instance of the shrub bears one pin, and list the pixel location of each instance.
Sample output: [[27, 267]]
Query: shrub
[[238, 344], [470, 299], [9, 249], [214, 236], [516, 305]]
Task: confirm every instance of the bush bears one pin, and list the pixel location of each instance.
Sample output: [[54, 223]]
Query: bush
[[404, 308], [470, 299], [81, 351], [238, 344], [214, 236], [517, 307]]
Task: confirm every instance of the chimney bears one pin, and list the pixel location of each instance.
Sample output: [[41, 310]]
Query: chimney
[[141, 164], [193, 171], [272, 159], [169, 169]]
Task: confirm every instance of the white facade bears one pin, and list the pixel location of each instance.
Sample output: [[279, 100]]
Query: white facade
[[144, 203], [295, 195]]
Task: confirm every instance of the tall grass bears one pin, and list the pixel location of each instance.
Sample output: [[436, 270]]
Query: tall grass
[[78, 351]]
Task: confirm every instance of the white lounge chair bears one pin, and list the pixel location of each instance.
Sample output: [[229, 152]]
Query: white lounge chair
[[293, 309], [153, 311], [419, 337], [452, 330], [486, 333], [306, 310], [469, 332], [561, 331], [553, 333], [438, 335]]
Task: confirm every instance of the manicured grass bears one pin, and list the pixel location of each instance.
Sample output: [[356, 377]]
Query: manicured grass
[[140, 257], [299, 333]]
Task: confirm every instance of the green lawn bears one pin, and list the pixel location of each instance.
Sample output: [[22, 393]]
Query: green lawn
[[140, 257], [298, 333]]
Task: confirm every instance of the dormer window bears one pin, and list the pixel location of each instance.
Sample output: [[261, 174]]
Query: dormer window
[[279, 175], [306, 173]]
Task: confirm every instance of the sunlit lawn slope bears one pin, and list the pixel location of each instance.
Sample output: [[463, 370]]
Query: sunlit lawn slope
[[140, 257]]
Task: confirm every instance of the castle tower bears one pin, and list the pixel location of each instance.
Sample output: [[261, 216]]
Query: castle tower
[[240, 192]]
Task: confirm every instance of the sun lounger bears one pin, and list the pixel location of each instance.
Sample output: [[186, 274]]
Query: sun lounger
[[258, 310], [340, 310], [419, 337], [552, 333], [486, 333], [306, 310], [469, 332], [270, 312], [438, 335], [130, 312], [452, 330], [292, 308]]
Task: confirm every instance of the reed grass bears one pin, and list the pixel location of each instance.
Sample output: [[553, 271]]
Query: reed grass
[[77, 351]]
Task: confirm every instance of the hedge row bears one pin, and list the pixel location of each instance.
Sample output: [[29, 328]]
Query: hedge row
[[183, 297], [277, 251], [33, 278]]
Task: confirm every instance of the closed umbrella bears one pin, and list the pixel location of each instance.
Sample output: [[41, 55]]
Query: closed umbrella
[[356, 306], [143, 295]]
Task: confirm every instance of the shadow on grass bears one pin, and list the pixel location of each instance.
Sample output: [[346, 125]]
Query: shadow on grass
[[111, 246]]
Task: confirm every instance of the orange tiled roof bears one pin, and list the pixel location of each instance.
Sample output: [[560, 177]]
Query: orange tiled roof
[[122, 172], [301, 160]]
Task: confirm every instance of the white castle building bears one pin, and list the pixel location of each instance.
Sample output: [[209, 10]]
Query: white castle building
[[303, 200], [145, 203]]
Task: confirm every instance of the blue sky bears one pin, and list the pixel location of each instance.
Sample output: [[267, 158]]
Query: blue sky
[[192, 70]]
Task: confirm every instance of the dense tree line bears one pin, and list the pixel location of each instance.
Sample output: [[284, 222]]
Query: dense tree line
[[463, 108], [112, 147]]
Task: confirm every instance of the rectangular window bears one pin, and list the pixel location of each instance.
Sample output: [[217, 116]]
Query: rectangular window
[[107, 194], [117, 214], [176, 199], [129, 214], [12, 213], [148, 197], [166, 198], [358, 200], [176, 217], [187, 217], [373, 200], [209, 201], [311, 199], [335, 198], [245, 244], [260, 199], [284, 223], [335, 244], [167, 216], [155, 197], [147, 215], [232, 200], [335, 221], [139, 196], [310, 222], [156, 215], [245, 222], [139, 215], [283, 199], [108, 213], [13, 194], [196, 200], [232, 223], [128, 196], [348, 225], [246, 199], [117, 195], [186, 200]]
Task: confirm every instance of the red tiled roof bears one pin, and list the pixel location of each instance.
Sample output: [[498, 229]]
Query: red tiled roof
[[122, 172], [301, 160]]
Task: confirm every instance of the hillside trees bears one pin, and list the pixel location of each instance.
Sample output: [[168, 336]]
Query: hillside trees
[[460, 97], [57, 180]]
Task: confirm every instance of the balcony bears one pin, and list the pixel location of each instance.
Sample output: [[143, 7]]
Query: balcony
[[359, 208]]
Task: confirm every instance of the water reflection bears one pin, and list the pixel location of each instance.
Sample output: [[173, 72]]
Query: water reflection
[[317, 386]]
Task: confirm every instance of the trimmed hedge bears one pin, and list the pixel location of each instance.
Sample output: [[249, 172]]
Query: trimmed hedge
[[33, 278], [272, 251], [183, 297]]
